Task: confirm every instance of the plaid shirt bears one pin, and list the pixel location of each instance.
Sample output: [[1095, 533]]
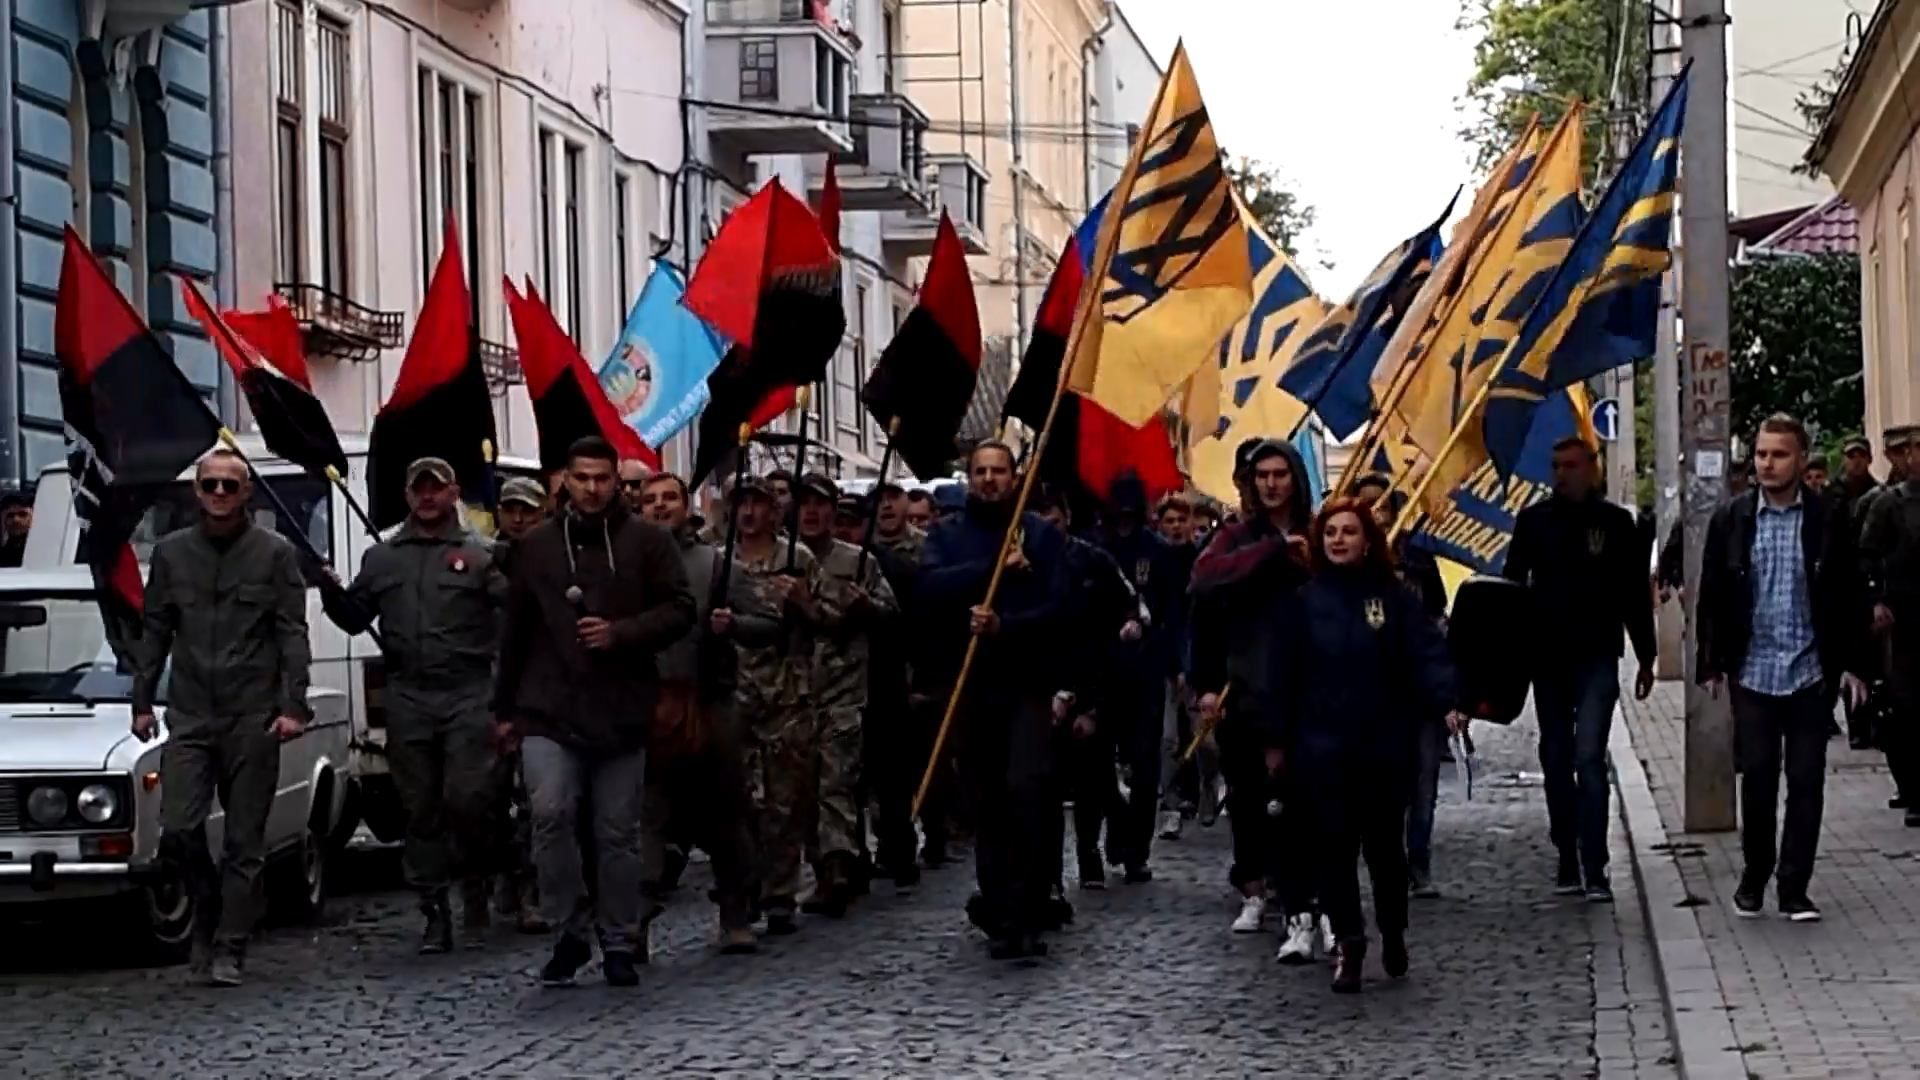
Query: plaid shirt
[[1781, 658]]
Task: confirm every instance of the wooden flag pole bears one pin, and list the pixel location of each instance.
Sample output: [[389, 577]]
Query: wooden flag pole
[[1411, 513], [718, 589], [1199, 736], [804, 399], [873, 511]]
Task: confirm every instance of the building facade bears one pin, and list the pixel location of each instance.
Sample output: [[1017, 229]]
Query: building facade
[[110, 127], [1125, 80], [1870, 150]]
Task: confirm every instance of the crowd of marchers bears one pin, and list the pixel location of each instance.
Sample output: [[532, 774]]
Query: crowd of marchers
[[611, 682]]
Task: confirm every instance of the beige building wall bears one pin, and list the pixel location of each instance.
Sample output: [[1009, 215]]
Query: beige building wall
[[1004, 80]]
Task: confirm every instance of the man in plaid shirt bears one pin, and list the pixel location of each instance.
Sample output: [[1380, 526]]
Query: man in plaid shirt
[[1783, 621]]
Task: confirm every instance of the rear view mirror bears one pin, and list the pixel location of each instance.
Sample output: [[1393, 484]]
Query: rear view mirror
[[21, 616]]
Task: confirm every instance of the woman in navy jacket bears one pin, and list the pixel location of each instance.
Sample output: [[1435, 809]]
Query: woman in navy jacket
[[1366, 667]]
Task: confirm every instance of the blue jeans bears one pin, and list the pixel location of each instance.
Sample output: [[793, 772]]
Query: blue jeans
[[1426, 792], [1574, 704]]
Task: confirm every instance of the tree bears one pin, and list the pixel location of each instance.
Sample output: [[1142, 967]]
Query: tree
[[1796, 345], [1536, 56], [1279, 211]]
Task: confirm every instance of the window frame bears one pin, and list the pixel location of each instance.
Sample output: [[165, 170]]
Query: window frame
[[766, 76], [476, 183]]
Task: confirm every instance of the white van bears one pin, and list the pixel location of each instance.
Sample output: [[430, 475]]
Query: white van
[[319, 512]]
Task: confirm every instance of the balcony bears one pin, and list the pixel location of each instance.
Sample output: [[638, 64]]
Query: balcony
[[332, 325], [502, 366], [780, 73], [958, 185], [889, 159]]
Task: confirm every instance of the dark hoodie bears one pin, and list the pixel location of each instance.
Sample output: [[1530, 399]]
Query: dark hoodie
[[1245, 574], [1156, 574], [1033, 603]]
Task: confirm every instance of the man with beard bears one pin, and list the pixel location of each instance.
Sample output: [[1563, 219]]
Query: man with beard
[[1005, 726], [862, 607], [436, 594], [596, 595], [696, 786], [1249, 568]]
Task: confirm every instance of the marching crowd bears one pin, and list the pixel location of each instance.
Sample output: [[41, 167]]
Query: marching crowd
[[611, 682]]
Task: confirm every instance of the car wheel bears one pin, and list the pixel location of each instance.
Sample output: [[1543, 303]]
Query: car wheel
[[164, 910], [349, 822], [380, 808], [303, 890]]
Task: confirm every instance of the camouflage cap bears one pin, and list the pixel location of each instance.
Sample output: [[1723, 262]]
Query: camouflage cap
[[820, 484], [524, 491], [1897, 437], [430, 466]]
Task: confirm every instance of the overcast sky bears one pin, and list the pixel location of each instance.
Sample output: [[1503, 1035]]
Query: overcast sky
[[1352, 100]]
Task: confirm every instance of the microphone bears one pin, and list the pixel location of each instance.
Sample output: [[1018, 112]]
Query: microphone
[[578, 599]]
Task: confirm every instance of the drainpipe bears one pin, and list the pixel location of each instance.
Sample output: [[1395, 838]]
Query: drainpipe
[[220, 117], [1089, 49], [10, 463], [1015, 137]]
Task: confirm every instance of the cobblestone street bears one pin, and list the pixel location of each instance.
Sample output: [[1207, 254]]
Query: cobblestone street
[[1507, 981]]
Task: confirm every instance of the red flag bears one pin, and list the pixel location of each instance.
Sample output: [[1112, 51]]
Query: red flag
[[568, 401], [1108, 447], [441, 405], [925, 377], [276, 333], [292, 421], [134, 424]]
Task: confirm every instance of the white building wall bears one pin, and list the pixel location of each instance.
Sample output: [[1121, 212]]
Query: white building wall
[[1126, 78]]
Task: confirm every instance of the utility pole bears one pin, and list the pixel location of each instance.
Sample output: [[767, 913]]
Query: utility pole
[[1708, 409], [1670, 620]]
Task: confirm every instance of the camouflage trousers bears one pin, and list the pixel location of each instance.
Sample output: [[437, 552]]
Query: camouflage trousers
[[837, 757], [781, 765]]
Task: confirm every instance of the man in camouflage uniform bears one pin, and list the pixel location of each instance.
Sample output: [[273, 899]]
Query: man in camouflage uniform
[[773, 635], [860, 604], [1890, 557], [899, 728], [437, 595]]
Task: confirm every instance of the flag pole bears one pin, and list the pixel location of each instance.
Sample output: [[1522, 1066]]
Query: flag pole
[[359, 511], [1405, 519], [1083, 315], [873, 511], [718, 589], [804, 399]]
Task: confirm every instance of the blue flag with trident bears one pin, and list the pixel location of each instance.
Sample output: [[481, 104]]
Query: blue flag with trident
[[1602, 308]]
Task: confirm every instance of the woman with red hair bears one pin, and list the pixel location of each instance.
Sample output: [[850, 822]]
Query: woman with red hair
[[1365, 668]]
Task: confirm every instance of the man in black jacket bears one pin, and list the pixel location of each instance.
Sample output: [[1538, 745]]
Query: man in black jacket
[[1584, 562], [595, 596], [1780, 623]]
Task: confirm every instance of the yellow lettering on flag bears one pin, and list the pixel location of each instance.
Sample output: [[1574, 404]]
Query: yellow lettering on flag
[[1171, 271]]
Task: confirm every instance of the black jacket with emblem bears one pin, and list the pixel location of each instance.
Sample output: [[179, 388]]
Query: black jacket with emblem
[[437, 594], [231, 613], [1585, 565]]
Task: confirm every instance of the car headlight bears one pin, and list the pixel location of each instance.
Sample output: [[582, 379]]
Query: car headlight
[[47, 805], [97, 804]]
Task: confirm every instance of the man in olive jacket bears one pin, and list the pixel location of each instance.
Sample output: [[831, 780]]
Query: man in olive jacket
[[225, 602], [436, 593], [596, 594]]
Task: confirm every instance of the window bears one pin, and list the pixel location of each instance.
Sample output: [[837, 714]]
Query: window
[[309, 499], [890, 46], [563, 209], [335, 123], [759, 69], [622, 238], [289, 162], [849, 375], [452, 132]]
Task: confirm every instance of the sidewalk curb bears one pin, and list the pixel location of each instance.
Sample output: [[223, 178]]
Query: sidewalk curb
[[1697, 1020]]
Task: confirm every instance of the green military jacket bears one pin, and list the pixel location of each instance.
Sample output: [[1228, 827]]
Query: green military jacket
[[775, 643], [841, 650], [232, 617], [437, 595]]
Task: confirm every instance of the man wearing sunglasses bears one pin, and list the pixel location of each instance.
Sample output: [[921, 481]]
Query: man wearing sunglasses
[[436, 593], [226, 603], [633, 483]]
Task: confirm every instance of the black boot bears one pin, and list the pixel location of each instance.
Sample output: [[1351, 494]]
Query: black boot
[[1346, 969], [1393, 954], [437, 937]]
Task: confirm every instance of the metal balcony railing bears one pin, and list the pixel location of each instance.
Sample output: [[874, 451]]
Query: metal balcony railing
[[336, 326], [502, 365]]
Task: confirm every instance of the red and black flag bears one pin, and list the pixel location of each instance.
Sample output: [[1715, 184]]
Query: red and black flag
[[568, 402], [291, 419], [770, 284], [925, 377], [276, 333], [440, 405], [1088, 447], [134, 423]]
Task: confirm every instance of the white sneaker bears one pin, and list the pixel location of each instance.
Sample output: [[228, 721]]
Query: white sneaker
[[1170, 825], [1298, 948], [1327, 942], [1252, 910]]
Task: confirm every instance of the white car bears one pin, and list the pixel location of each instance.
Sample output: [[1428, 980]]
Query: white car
[[80, 797]]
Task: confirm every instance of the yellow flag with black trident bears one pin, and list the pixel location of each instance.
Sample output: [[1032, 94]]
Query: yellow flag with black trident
[[1171, 272]]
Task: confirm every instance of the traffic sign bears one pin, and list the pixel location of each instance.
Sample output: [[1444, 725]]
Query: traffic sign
[[1605, 415]]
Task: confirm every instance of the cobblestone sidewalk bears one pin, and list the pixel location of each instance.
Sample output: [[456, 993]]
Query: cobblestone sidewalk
[[1838, 998], [1508, 981]]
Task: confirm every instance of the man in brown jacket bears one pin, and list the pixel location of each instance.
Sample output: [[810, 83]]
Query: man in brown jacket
[[595, 595]]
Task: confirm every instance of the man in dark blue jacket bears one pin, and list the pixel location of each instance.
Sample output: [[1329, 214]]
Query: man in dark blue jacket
[[1004, 730]]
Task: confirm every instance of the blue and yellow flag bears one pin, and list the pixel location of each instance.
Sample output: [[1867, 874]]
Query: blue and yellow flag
[[1332, 372], [1602, 308], [1171, 269]]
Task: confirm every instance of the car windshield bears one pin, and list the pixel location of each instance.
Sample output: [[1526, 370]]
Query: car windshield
[[54, 649]]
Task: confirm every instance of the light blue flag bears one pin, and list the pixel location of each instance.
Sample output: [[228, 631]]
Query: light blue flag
[[656, 375]]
